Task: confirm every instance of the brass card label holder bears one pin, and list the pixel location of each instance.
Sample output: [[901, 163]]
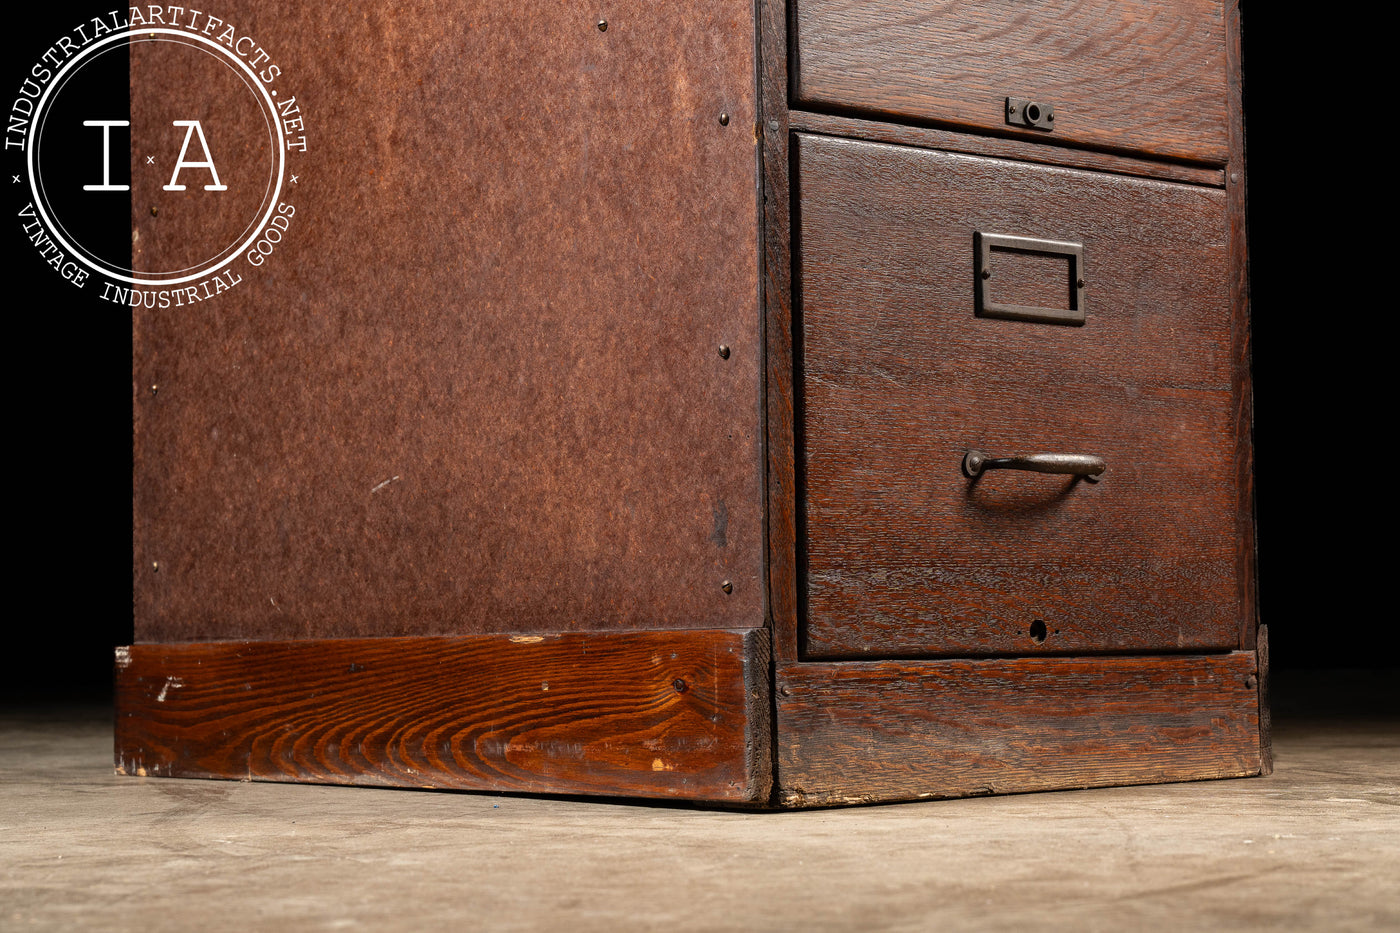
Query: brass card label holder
[[985, 245]]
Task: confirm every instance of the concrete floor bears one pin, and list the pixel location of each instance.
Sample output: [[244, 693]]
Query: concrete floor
[[1315, 846]]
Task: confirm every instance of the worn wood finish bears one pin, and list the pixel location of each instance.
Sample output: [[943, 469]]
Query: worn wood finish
[[895, 730], [1024, 150], [680, 715], [1266, 718], [1122, 75], [899, 378], [1243, 328], [784, 556], [477, 388], [534, 432]]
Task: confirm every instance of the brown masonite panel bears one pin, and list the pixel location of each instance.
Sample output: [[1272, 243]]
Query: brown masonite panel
[[894, 730], [1130, 75], [899, 379], [476, 387], [680, 715]]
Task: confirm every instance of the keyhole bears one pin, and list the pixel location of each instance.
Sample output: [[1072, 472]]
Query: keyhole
[[1038, 631]]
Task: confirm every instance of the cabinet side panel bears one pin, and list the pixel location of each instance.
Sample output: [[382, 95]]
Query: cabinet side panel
[[892, 730], [477, 386]]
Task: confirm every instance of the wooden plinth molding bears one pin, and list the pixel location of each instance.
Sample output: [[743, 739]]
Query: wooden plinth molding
[[675, 714], [896, 730], [678, 714]]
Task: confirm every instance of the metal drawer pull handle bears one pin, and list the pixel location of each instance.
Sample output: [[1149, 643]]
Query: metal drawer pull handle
[[976, 462]]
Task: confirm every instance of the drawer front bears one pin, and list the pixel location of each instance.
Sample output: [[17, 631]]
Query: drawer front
[[900, 377], [1140, 76]]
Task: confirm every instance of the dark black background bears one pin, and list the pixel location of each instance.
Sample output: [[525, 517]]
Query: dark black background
[[1319, 205], [69, 437]]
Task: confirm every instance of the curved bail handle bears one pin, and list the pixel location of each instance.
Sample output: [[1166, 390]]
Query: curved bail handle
[[977, 462]]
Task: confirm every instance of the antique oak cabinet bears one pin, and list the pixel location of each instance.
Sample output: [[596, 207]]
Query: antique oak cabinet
[[766, 403]]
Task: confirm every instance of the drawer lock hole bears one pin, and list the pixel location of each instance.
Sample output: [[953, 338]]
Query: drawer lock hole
[[1035, 114]]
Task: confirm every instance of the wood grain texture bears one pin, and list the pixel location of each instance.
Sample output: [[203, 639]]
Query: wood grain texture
[[784, 557], [1023, 150], [1266, 715], [680, 715], [894, 730], [906, 557], [1123, 75], [477, 387], [1242, 337]]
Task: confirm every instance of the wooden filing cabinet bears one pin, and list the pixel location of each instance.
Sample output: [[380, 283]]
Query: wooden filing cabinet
[[615, 438]]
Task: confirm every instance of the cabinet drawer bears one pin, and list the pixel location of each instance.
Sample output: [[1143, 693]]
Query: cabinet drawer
[[1133, 75], [900, 377]]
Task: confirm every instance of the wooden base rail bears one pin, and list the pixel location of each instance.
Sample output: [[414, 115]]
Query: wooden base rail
[[895, 730], [676, 714]]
